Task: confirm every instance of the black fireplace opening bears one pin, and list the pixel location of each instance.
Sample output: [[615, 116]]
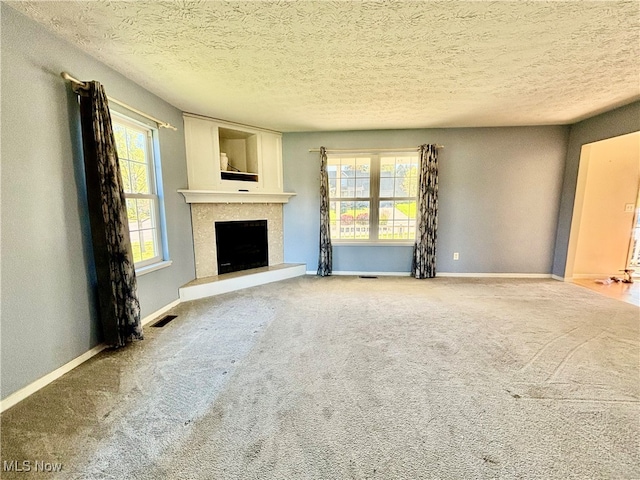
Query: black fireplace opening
[[241, 245]]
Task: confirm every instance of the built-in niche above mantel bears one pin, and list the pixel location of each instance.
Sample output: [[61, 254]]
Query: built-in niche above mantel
[[229, 157], [232, 163], [213, 196]]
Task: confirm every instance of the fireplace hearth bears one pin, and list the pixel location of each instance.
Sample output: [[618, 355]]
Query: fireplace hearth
[[241, 245]]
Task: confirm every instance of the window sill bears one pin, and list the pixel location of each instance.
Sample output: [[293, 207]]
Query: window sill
[[372, 244], [153, 267]]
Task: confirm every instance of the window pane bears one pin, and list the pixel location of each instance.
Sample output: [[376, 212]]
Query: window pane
[[385, 220], [332, 171], [362, 187], [332, 187], [349, 220], [363, 167], [398, 176], [349, 177], [400, 230], [140, 178], [405, 210], [397, 220], [137, 143], [387, 166], [334, 219], [119, 132], [347, 211], [411, 177], [145, 213], [413, 189], [132, 215], [403, 166], [402, 187], [386, 187], [362, 214], [148, 246], [125, 174], [347, 187], [135, 246], [348, 167]]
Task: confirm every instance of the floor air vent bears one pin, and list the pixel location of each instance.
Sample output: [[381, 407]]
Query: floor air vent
[[368, 276], [164, 320]]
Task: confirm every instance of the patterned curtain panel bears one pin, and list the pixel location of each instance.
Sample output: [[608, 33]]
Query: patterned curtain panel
[[117, 286], [325, 259], [424, 251]]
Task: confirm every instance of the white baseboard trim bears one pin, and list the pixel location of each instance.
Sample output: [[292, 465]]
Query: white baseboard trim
[[354, 273], [494, 275], [42, 382], [559, 278], [226, 285], [443, 274]]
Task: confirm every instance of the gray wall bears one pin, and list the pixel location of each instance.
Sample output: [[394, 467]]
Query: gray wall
[[47, 278], [499, 198], [607, 125]]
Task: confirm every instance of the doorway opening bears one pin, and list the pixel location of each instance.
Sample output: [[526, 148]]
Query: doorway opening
[[633, 262], [605, 230], [605, 208]]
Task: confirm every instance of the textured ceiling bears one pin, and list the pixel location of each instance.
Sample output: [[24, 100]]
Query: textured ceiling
[[297, 66]]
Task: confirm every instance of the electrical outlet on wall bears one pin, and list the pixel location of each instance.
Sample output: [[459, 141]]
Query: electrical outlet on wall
[[629, 207], [456, 256]]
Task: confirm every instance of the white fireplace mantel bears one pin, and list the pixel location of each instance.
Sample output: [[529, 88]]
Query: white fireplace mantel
[[215, 196]]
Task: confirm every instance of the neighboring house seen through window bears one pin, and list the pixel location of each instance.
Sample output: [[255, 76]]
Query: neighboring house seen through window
[[373, 197], [138, 167]]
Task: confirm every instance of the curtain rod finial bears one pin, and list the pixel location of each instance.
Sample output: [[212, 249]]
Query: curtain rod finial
[[73, 80], [68, 77]]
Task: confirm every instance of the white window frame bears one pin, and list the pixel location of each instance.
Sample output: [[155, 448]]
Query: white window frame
[[160, 260], [374, 198]]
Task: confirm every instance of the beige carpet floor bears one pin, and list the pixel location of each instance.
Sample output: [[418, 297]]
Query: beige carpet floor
[[343, 377]]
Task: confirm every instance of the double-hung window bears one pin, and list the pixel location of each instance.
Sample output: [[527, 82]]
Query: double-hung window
[[135, 146], [373, 197]]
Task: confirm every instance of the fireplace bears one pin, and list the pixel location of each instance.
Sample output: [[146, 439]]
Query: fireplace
[[241, 245], [204, 217]]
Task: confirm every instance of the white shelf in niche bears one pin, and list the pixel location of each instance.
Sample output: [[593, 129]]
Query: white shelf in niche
[[239, 176], [215, 196]]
